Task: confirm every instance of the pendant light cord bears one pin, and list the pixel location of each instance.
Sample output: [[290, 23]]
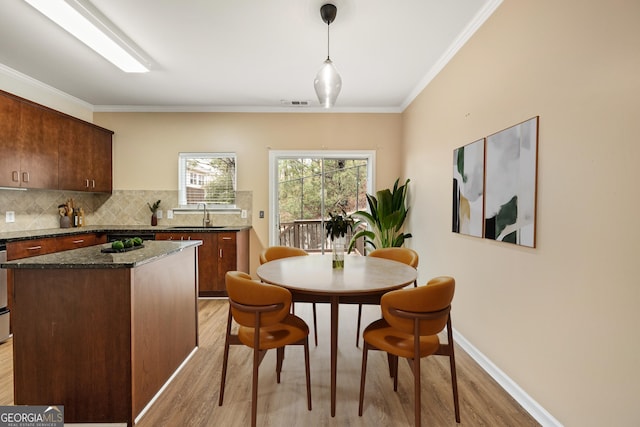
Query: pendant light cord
[[328, 44]]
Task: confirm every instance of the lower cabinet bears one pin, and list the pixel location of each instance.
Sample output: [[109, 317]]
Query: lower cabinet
[[220, 252], [33, 247], [48, 245]]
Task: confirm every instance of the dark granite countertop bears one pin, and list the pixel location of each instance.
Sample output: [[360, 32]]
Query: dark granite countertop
[[14, 236], [92, 257]]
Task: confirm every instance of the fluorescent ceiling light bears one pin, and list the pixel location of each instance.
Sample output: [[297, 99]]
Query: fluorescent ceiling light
[[85, 23]]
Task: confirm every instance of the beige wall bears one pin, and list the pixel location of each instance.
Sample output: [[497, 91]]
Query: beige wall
[[146, 147], [561, 320]]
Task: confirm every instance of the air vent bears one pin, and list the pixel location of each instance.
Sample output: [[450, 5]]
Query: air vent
[[295, 103]]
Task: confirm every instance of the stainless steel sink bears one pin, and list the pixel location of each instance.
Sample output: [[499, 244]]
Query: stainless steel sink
[[198, 227]]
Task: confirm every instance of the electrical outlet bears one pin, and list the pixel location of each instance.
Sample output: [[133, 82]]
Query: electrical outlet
[[10, 216], [169, 214], [261, 214], [159, 213], [243, 214]]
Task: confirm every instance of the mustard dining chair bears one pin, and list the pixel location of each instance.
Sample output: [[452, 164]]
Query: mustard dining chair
[[411, 320], [263, 308], [403, 255], [276, 252]]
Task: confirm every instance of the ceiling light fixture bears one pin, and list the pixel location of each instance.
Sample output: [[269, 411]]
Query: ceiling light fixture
[[328, 82], [87, 24]]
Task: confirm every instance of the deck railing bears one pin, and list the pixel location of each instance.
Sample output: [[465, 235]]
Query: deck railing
[[310, 236]]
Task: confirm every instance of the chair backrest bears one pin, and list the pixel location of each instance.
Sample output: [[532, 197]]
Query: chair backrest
[[403, 255], [429, 303], [276, 252], [242, 289]]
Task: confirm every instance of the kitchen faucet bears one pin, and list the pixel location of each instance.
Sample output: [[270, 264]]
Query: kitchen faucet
[[205, 215]]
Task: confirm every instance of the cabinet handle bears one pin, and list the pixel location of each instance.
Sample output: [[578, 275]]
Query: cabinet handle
[[25, 176], [226, 238], [93, 183], [86, 183], [76, 242], [14, 176], [220, 253], [34, 248]]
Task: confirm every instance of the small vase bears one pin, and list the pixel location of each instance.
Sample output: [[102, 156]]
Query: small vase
[[154, 220], [65, 221], [337, 253]]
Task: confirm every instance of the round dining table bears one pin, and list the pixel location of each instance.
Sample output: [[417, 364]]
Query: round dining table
[[363, 280]]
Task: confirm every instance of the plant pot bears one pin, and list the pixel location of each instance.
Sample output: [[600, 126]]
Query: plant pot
[[337, 253], [154, 220]]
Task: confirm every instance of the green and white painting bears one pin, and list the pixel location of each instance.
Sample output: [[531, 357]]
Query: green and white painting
[[510, 184], [468, 189]]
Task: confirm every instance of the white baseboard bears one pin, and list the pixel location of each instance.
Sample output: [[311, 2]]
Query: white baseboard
[[527, 402]]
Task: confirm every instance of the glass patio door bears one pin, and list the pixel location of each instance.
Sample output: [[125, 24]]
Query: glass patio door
[[306, 186]]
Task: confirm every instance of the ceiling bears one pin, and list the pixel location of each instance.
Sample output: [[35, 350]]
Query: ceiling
[[246, 55]]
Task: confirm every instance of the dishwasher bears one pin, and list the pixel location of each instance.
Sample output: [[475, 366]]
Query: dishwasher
[[4, 310]]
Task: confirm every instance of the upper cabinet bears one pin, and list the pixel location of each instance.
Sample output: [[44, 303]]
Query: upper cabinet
[[28, 146], [85, 159], [43, 148]]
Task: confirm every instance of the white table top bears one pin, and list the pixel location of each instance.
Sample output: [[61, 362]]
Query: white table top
[[314, 274]]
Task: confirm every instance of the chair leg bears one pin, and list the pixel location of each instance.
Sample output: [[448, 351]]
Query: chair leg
[[279, 359], [254, 387], [225, 359], [315, 324], [307, 369], [395, 373], [454, 386], [358, 326], [416, 370], [454, 377], [363, 374], [416, 384]]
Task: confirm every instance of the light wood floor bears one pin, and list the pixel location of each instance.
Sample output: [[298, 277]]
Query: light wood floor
[[192, 398]]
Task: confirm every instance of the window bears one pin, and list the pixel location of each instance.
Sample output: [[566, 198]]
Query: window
[[207, 178], [305, 185]]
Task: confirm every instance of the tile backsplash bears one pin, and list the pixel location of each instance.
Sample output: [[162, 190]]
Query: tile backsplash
[[38, 209]]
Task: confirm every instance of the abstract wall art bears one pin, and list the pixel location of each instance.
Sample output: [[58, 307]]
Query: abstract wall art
[[468, 189], [510, 184]]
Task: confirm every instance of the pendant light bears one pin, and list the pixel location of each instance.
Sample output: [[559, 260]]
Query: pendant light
[[328, 82]]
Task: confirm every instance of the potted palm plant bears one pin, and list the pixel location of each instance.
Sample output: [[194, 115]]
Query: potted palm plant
[[385, 218], [337, 227]]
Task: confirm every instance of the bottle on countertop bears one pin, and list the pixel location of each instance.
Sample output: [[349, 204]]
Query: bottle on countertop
[[81, 218]]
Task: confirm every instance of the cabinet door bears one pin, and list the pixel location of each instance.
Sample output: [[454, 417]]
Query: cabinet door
[[227, 257], [39, 133], [207, 260], [85, 158], [74, 158], [9, 142], [101, 170]]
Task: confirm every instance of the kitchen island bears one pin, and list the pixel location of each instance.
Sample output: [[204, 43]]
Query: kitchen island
[[101, 333]]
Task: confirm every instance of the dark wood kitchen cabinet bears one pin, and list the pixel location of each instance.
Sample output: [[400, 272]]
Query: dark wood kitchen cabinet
[[47, 245], [28, 145], [44, 148], [85, 161], [220, 252]]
